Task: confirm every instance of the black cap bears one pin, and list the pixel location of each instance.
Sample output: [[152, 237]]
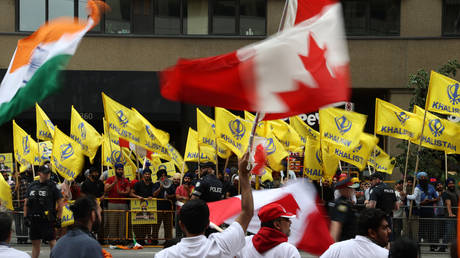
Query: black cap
[[44, 169], [378, 175], [208, 165]]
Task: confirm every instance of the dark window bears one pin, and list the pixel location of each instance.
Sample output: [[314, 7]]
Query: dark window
[[224, 17], [142, 16], [252, 17], [118, 20], [451, 18], [372, 17], [167, 17]]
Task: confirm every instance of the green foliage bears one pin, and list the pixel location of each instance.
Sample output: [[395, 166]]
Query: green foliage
[[431, 161]]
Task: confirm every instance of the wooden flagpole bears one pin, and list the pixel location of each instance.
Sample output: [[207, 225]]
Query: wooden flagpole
[[405, 167]]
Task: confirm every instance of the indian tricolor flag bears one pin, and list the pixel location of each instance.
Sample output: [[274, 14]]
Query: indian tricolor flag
[[33, 72]]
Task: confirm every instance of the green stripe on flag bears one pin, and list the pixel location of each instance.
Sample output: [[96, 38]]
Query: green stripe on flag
[[43, 83]]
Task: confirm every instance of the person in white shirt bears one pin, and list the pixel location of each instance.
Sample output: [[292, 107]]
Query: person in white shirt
[[6, 222], [373, 236], [194, 219], [271, 240]]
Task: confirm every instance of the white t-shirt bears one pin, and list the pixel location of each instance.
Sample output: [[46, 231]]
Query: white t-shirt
[[283, 250], [359, 247], [9, 252], [225, 244]]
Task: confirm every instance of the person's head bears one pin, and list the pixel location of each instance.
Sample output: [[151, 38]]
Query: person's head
[[162, 174], [188, 177], [44, 172], [404, 248], [376, 178], [439, 186], [93, 173], [207, 168], [276, 175], [87, 212], [194, 217], [147, 175], [275, 216], [422, 177], [399, 185], [6, 222], [410, 182], [450, 183], [373, 224], [346, 186], [5, 174], [176, 179], [119, 170], [334, 180]]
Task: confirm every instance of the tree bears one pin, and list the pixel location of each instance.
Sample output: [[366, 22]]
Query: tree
[[431, 161]]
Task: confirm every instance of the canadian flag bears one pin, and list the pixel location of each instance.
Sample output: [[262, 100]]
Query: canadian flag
[[298, 70], [309, 230]]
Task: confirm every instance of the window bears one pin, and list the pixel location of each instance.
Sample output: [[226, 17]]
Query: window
[[451, 18], [156, 17], [372, 17]]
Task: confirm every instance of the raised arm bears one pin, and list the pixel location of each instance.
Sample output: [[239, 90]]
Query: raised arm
[[247, 202]]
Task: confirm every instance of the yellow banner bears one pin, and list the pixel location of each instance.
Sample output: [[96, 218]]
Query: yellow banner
[[45, 128], [381, 161], [44, 149], [287, 136], [341, 127], [67, 157], [25, 148], [204, 154], [143, 212], [313, 161], [392, 121], [7, 160], [233, 131], [443, 95], [67, 216], [304, 130], [85, 134], [6, 198], [359, 155], [122, 121], [439, 134], [206, 128]]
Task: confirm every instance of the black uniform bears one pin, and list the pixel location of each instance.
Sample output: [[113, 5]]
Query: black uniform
[[41, 209], [342, 210], [209, 189], [385, 198]]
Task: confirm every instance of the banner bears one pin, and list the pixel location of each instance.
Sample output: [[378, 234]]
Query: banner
[[6, 159], [443, 95], [67, 216], [381, 161], [44, 152], [25, 148], [206, 153], [393, 121], [341, 127], [233, 131], [359, 155], [67, 157], [45, 128], [143, 212], [206, 128], [85, 134], [6, 198], [313, 161], [304, 130], [439, 134]]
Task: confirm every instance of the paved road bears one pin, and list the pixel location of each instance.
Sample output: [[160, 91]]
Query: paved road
[[150, 252]]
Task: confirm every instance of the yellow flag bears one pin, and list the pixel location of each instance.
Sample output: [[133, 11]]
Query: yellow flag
[[233, 130], [85, 134], [330, 161], [109, 133], [261, 130], [313, 161], [111, 153], [122, 121], [67, 218], [341, 127], [443, 95], [45, 128], [67, 157], [6, 198], [392, 121], [206, 153], [267, 176], [44, 152], [176, 158], [439, 134], [25, 148], [168, 166], [275, 152], [287, 136], [152, 138], [129, 167], [359, 155], [206, 128], [304, 130], [381, 161]]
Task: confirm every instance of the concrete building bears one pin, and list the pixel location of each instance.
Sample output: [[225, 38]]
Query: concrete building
[[388, 40]]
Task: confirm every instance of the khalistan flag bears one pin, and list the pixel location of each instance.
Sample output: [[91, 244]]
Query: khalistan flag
[[33, 72]]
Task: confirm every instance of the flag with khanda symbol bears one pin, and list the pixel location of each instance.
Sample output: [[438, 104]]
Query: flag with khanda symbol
[[381, 161], [275, 152], [206, 129], [44, 152], [392, 121], [439, 134], [85, 134], [443, 95], [25, 148], [233, 130], [341, 127], [67, 157], [45, 128], [313, 160]]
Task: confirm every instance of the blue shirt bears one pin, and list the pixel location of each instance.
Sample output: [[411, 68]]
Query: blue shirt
[[76, 244]]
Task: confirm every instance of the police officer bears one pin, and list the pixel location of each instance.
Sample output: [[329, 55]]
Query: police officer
[[208, 188], [41, 215], [342, 211]]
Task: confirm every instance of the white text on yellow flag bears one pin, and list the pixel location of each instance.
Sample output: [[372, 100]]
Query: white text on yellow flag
[[66, 158], [85, 134]]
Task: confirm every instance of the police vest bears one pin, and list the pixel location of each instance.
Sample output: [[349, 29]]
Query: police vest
[[386, 198], [40, 201], [211, 188]]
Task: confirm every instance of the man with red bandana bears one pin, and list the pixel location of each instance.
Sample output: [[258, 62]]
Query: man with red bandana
[[271, 240]]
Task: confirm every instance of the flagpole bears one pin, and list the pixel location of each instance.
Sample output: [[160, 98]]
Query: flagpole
[[226, 162], [405, 167], [445, 163], [283, 16]]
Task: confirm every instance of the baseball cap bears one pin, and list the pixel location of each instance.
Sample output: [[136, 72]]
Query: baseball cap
[[378, 175], [273, 211], [44, 169], [207, 165], [346, 181]]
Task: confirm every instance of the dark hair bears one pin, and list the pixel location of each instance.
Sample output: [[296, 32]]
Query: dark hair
[[195, 216], [161, 172], [6, 221], [400, 182], [83, 207], [370, 219], [92, 169], [410, 178], [404, 248]]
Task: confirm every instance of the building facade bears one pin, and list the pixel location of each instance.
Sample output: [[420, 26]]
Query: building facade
[[388, 40]]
